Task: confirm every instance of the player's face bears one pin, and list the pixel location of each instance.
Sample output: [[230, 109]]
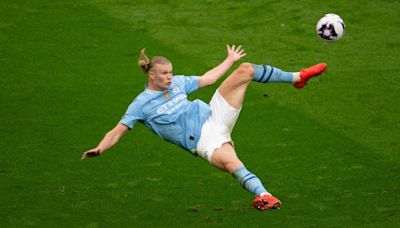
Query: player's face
[[161, 76]]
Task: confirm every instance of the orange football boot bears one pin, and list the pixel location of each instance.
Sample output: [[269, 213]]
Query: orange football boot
[[266, 202], [307, 73]]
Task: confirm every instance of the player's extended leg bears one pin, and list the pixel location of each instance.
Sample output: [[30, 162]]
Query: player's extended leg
[[267, 74], [226, 159], [233, 88]]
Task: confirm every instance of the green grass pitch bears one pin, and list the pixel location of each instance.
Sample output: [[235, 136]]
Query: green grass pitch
[[68, 70]]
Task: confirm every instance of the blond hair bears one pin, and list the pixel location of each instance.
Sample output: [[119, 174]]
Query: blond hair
[[145, 63]]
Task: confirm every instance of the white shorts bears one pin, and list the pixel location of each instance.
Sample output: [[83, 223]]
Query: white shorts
[[217, 128]]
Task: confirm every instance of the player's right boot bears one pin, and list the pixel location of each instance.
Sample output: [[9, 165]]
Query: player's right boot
[[307, 73], [266, 202]]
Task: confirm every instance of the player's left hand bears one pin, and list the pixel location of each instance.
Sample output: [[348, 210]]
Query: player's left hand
[[91, 153], [235, 53]]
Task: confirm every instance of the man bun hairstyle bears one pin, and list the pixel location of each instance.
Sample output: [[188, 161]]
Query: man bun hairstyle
[[145, 63]]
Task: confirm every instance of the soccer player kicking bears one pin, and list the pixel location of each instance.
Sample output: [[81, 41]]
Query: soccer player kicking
[[202, 129]]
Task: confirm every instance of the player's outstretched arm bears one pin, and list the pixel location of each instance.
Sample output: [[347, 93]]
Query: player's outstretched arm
[[111, 138], [233, 54]]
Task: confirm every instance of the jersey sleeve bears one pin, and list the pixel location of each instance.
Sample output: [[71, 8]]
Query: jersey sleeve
[[131, 117], [190, 83]]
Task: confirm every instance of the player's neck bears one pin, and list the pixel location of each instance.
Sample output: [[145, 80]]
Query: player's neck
[[152, 87]]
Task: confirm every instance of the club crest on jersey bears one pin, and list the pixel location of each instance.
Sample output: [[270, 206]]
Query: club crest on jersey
[[176, 89]]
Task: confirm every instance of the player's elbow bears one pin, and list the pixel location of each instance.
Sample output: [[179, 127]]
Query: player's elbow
[[211, 81], [207, 81], [118, 131]]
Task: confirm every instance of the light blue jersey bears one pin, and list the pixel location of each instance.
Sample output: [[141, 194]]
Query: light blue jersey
[[169, 113]]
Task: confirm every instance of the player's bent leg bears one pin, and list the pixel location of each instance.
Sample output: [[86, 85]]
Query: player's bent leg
[[233, 88], [226, 159]]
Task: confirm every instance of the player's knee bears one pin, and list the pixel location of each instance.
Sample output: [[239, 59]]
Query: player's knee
[[246, 68], [246, 71]]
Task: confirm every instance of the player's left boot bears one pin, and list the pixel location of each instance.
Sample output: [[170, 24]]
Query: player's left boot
[[266, 202], [312, 71]]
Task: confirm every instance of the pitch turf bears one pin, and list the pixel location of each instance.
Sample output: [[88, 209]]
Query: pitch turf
[[330, 152]]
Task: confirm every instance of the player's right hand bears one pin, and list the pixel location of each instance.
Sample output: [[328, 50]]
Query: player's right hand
[[91, 153], [235, 53]]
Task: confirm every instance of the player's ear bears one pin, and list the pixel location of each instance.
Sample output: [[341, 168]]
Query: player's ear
[[151, 74]]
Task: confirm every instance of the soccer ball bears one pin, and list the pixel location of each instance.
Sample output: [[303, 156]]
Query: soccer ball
[[330, 27]]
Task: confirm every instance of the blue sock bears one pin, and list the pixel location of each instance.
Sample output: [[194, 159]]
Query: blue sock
[[249, 181], [266, 74]]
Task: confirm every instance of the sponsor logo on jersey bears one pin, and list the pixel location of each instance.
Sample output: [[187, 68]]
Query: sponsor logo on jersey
[[173, 105]]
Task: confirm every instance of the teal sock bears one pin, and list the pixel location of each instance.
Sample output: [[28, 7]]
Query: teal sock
[[249, 181], [266, 74]]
